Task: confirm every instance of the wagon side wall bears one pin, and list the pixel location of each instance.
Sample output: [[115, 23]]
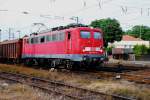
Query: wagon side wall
[[11, 49]]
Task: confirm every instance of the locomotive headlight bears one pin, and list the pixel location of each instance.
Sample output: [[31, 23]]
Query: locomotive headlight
[[97, 49], [87, 49], [101, 50]]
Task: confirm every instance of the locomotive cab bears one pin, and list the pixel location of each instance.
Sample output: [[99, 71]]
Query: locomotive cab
[[85, 45], [91, 46], [91, 42]]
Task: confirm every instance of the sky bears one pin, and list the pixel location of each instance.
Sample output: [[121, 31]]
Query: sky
[[20, 16]]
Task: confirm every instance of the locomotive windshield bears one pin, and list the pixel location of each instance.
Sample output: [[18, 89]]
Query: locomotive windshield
[[97, 35], [85, 34]]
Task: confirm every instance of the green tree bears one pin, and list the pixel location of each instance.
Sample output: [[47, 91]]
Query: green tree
[[140, 31], [111, 29], [109, 50], [140, 49]]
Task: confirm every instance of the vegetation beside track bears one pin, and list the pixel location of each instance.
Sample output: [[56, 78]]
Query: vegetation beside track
[[139, 94], [123, 88], [22, 92], [109, 86]]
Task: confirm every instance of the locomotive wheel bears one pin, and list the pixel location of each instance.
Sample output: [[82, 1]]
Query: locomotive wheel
[[69, 65], [27, 62], [53, 64]]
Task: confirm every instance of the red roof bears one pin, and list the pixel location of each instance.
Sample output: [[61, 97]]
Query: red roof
[[130, 38]]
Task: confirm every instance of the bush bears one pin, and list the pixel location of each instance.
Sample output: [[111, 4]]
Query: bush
[[140, 50]]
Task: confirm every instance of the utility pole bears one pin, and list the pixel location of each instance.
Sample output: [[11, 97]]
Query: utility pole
[[11, 35], [141, 31], [9, 32], [0, 34], [19, 33], [148, 11]]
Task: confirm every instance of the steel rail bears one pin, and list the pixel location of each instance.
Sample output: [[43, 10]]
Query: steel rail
[[45, 85]]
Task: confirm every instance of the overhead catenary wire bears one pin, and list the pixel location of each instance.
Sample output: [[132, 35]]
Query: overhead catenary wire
[[100, 4]]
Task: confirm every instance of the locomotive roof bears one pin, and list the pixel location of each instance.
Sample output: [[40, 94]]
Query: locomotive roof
[[61, 30], [10, 41]]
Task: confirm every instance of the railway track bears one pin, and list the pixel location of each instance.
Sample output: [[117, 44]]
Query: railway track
[[134, 77], [59, 88], [142, 76], [138, 76]]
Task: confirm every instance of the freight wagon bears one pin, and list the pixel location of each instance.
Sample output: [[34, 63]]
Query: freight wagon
[[11, 50]]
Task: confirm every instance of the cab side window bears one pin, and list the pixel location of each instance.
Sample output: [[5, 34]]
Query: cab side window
[[33, 40], [69, 35], [48, 38], [42, 39], [54, 37], [61, 36]]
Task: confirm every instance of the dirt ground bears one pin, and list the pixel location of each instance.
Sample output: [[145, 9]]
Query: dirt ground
[[120, 87]]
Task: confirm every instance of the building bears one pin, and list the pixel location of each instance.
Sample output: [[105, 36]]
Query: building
[[129, 42], [124, 49]]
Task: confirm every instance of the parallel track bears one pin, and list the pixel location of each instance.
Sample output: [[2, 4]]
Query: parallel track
[[139, 76], [60, 88], [142, 76], [134, 77]]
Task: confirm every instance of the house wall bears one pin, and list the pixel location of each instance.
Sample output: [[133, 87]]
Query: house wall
[[143, 58], [130, 44]]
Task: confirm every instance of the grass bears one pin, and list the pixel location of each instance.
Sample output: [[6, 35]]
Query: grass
[[123, 88], [23, 70], [53, 75], [134, 93]]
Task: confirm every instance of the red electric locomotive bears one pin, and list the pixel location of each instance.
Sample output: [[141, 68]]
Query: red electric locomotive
[[72, 46], [67, 46]]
